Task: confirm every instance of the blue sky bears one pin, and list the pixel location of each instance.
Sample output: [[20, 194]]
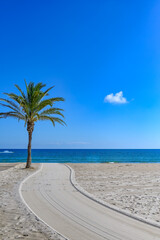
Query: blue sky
[[88, 50]]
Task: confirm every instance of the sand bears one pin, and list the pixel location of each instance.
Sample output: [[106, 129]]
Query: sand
[[134, 188], [76, 216], [16, 221], [5, 166]]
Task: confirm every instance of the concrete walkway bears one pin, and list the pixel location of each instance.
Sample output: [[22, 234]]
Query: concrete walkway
[[51, 196]]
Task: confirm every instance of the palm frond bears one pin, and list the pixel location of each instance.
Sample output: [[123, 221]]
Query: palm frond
[[8, 106], [22, 93], [39, 86], [45, 117], [51, 111], [12, 114], [52, 119], [14, 97], [13, 104], [46, 92]]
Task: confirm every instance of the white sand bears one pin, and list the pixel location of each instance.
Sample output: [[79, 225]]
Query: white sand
[[16, 221], [74, 215], [134, 188]]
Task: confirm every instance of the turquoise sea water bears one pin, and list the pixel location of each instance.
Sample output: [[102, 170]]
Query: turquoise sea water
[[82, 156]]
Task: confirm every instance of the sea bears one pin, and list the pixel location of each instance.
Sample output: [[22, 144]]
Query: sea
[[82, 155]]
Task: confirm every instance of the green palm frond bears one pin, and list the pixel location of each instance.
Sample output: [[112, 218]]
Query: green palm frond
[[47, 102], [22, 93], [51, 111], [10, 102], [12, 114], [8, 106], [39, 86], [52, 119]]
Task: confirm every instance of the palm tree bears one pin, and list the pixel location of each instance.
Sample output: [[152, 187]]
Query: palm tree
[[31, 107]]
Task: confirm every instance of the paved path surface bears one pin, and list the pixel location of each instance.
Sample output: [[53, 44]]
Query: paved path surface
[[51, 196], [5, 166]]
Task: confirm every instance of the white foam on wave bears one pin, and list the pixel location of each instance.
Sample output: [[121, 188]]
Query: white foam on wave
[[6, 151]]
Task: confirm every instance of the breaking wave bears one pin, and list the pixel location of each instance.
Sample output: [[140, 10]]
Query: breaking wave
[[6, 151]]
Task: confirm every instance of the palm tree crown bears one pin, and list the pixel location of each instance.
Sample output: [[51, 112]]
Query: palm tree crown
[[31, 107]]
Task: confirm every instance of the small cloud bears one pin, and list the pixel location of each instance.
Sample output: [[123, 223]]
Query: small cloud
[[117, 98]]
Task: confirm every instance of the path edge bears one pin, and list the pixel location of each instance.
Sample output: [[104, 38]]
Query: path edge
[[101, 202], [23, 200]]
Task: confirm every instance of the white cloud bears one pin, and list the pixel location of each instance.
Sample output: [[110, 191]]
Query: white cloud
[[117, 98]]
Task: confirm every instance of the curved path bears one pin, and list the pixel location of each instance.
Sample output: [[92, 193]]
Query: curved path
[[54, 200]]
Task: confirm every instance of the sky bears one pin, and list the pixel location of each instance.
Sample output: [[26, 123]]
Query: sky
[[103, 56]]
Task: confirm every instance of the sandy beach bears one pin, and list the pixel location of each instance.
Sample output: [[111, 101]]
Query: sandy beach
[[134, 188], [17, 222]]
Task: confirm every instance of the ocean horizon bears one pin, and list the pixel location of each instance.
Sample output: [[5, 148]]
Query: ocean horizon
[[82, 155]]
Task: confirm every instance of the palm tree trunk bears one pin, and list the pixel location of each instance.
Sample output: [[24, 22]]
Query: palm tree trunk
[[29, 159], [30, 128]]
